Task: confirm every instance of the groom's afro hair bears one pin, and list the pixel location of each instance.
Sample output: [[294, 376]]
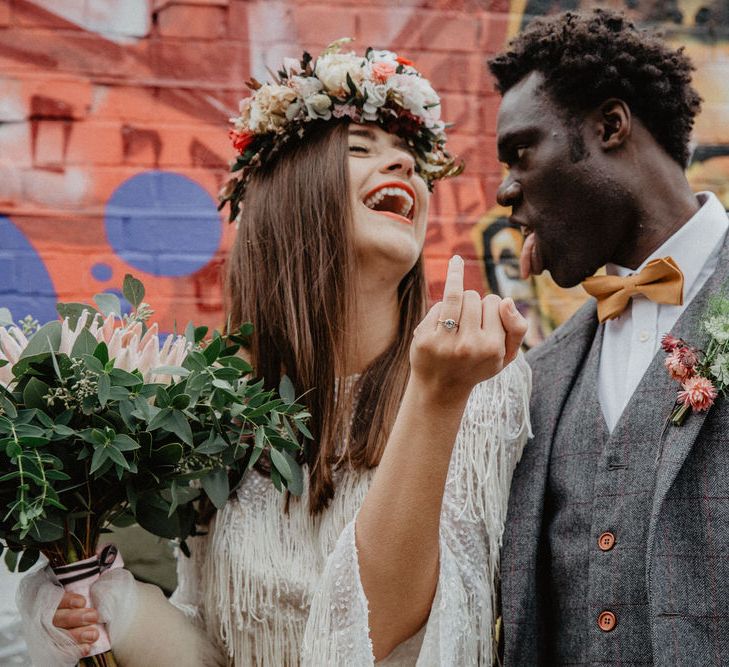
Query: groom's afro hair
[[586, 58]]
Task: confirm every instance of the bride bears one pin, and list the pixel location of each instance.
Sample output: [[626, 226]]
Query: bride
[[418, 417]]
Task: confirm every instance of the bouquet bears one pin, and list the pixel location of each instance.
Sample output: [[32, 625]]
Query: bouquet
[[102, 426]]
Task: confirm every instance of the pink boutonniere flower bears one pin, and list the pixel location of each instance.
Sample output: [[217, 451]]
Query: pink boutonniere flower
[[703, 375]]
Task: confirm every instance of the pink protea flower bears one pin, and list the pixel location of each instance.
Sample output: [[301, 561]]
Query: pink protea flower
[[679, 365], [698, 393], [669, 343]]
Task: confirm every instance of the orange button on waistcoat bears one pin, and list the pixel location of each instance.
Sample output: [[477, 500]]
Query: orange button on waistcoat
[[606, 541], [607, 621]]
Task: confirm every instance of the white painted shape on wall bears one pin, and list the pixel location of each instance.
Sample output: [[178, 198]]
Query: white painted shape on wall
[[120, 21], [271, 36]]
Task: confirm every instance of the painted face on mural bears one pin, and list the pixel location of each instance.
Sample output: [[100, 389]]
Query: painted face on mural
[[390, 200], [560, 186]]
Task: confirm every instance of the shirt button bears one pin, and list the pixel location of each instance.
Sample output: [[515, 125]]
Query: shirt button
[[606, 541], [643, 336], [607, 621]]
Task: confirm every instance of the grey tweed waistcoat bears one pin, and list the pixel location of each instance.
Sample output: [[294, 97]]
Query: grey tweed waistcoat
[[597, 509], [682, 552]]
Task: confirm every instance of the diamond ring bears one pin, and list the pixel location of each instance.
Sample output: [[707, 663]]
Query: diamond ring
[[449, 324]]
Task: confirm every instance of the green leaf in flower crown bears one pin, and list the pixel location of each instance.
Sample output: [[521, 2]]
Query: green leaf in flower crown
[[133, 290], [85, 344], [108, 303], [216, 485], [34, 394], [73, 312], [46, 339]]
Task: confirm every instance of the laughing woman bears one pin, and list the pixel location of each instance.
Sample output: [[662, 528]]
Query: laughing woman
[[418, 417]]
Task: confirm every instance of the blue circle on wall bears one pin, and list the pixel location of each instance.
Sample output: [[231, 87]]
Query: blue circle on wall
[[163, 223], [25, 287]]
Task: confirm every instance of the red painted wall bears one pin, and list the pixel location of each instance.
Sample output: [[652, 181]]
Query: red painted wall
[[113, 117]]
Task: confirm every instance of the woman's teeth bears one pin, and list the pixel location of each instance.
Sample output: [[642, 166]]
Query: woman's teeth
[[403, 200]]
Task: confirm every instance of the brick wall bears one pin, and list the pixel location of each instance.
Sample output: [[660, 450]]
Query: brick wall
[[113, 135]]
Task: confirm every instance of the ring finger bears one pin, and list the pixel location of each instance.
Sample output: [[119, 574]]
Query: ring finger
[[450, 310]]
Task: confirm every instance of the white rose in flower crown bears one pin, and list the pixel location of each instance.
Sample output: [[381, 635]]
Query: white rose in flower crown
[[319, 106], [269, 106], [332, 70], [306, 86], [416, 95], [376, 96], [386, 56]]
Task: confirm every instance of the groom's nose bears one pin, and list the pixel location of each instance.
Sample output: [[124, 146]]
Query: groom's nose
[[509, 192]]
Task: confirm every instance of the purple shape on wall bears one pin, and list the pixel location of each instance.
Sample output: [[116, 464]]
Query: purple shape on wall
[[163, 223], [25, 285]]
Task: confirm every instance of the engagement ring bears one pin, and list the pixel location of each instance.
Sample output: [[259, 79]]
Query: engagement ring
[[449, 324]]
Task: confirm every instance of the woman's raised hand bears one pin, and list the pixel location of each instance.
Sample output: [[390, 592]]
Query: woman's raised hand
[[464, 339], [77, 619]]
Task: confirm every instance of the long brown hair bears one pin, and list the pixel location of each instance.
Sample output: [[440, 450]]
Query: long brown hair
[[291, 274]]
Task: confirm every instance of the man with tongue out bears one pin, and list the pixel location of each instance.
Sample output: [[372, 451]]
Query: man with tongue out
[[616, 549]]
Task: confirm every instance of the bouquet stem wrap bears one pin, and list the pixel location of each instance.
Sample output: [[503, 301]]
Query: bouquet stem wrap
[[78, 578]]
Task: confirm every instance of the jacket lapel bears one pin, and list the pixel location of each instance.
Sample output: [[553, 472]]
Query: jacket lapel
[[677, 441], [555, 365]]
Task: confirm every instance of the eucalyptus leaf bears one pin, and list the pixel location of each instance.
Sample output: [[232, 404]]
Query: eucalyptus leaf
[[6, 318], [286, 389], [46, 339], [133, 290], [108, 304], [73, 312], [281, 462], [216, 485], [34, 394], [85, 344]]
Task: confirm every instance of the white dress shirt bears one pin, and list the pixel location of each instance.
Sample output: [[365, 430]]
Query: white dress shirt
[[631, 341]]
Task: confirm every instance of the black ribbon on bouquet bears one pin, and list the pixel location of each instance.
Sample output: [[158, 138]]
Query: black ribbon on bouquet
[[90, 567]]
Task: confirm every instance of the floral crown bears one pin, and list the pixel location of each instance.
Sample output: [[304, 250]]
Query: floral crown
[[379, 87]]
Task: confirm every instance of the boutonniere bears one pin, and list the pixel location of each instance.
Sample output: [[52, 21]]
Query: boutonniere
[[703, 374]]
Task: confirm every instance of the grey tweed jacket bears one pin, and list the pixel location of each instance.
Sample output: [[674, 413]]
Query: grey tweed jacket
[[686, 561]]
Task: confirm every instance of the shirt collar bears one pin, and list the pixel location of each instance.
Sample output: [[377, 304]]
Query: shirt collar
[[692, 245]]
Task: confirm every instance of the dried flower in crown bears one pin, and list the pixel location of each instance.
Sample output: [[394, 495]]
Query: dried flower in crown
[[379, 87]]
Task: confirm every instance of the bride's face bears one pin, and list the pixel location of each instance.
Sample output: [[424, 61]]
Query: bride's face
[[389, 199]]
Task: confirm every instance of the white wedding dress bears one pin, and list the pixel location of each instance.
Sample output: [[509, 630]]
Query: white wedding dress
[[267, 588], [273, 588]]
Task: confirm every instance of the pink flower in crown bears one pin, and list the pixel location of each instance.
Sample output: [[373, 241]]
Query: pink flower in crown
[[698, 393], [669, 343], [679, 364], [382, 71], [348, 110]]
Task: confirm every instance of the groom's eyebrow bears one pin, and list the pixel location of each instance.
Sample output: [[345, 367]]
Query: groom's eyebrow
[[507, 139]]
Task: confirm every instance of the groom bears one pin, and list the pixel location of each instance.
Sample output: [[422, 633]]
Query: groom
[[616, 549]]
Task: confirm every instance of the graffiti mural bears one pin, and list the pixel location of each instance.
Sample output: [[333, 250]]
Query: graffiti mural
[[113, 137]]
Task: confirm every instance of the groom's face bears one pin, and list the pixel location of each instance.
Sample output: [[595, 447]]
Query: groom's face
[[558, 185]]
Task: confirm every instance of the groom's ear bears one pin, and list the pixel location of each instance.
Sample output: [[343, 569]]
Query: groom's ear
[[612, 123]]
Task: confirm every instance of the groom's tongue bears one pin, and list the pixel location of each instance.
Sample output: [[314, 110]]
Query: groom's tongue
[[530, 261]]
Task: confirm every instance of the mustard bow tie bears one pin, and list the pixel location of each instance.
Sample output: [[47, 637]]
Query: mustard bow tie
[[660, 281]]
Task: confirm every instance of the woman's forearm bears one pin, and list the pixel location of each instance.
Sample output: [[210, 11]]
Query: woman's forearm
[[397, 528]]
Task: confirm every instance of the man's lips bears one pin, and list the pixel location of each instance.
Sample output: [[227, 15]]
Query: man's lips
[[530, 260]]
